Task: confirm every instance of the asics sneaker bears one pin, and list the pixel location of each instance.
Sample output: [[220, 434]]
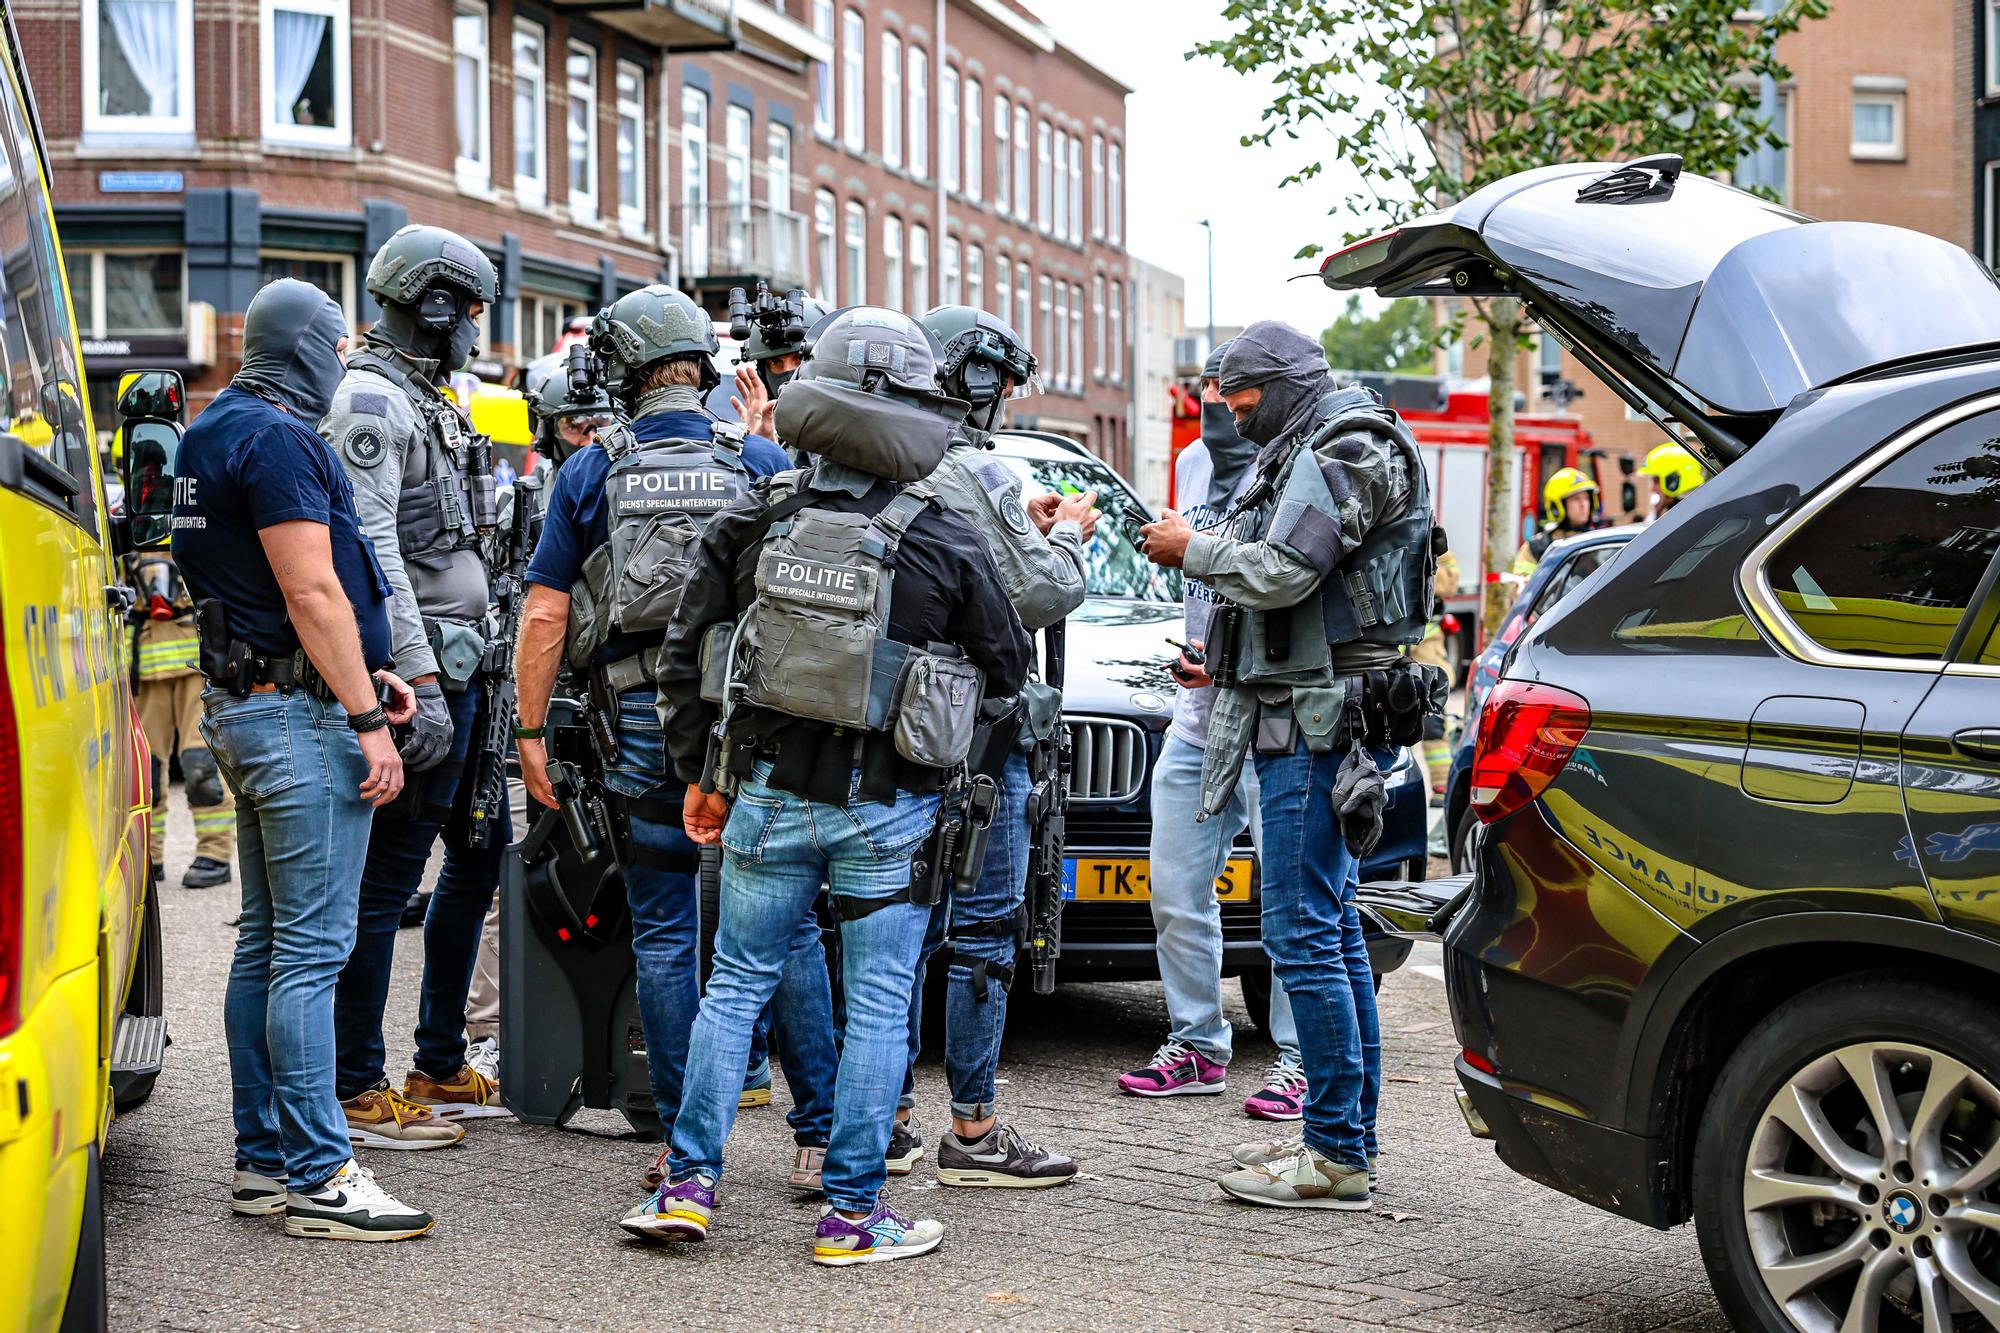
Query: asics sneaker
[[1003, 1159], [254, 1194], [1303, 1179], [680, 1212], [881, 1237], [351, 1206], [383, 1118], [466, 1095], [756, 1089], [484, 1056], [1176, 1069], [906, 1146], [1283, 1096]]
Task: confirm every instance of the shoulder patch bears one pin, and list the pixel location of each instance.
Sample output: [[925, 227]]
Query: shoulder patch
[[363, 446], [1014, 514], [368, 404], [992, 476]]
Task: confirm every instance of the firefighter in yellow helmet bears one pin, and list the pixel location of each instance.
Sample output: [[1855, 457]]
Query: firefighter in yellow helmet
[[1675, 471], [1569, 506]]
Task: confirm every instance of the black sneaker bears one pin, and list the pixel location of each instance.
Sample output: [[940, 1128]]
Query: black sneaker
[[1001, 1160], [205, 872], [351, 1206], [906, 1147]]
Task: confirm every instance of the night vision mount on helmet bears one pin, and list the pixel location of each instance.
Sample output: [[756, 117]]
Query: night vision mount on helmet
[[984, 362]]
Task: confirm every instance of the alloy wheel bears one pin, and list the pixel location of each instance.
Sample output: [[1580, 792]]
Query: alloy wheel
[[1871, 1193]]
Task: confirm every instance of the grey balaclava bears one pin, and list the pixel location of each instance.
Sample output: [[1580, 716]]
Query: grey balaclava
[[1292, 370], [1229, 454], [291, 338]]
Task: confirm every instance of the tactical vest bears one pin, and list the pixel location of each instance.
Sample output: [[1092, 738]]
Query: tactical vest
[[658, 498], [449, 498], [815, 642]]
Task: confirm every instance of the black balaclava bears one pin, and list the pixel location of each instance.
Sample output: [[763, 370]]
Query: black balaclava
[[291, 339], [1229, 454], [1292, 370], [439, 328]]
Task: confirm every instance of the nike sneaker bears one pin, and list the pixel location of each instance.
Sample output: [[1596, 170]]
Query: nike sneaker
[[1003, 1159], [351, 1206]]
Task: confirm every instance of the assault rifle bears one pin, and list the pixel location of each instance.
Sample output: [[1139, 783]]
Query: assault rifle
[[493, 733], [1048, 807]]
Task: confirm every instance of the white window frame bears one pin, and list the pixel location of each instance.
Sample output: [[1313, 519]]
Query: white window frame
[[892, 262], [778, 167], [345, 263], [1052, 349], [1023, 183], [739, 135], [1003, 289], [1993, 48], [1880, 92], [1076, 337], [181, 122], [1003, 153], [86, 270], [1044, 172], [853, 80], [1117, 332], [583, 204], [1097, 327], [949, 136], [1024, 308], [340, 134], [1059, 205], [532, 189], [1075, 190], [854, 253], [951, 276], [974, 167], [826, 246], [1114, 226], [891, 73], [824, 101], [474, 173], [1991, 222], [632, 211], [920, 268], [1096, 187], [695, 163], [918, 136], [975, 277]]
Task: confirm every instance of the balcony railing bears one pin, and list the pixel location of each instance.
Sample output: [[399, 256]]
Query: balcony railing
[[674, 25], [748, 240]]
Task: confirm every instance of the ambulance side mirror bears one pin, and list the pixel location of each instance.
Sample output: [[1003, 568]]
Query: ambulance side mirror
[[152, 404]]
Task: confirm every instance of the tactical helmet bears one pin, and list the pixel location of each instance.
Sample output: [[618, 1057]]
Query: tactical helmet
[[417, 258], [1559, 488], [981, 354], [555, 402], [1676, 469], [759, 346], [652, 324], [874, 348]]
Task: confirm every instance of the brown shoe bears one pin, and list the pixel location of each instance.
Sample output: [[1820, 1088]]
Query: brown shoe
[[466, 1095], [383, 1118]]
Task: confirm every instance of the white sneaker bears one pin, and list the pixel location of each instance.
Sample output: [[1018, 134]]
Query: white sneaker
[[484, 1055], [351, 1206], [255, 1195]]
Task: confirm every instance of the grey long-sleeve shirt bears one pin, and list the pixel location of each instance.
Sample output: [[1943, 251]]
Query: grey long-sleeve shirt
[[1043, 576]]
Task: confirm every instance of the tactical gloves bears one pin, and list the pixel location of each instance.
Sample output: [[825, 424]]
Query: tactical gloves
[[1358, 799], [429, 738]]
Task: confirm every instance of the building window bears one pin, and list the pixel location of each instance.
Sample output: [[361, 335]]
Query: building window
[[1002, 154], [736, 182], [975, 149], [1992, 240], [920, 267], [951, 277], [544, 320], [631, 147], [828, 266], [857, 254], [1114, 225], [1097, 328], [1059, 209], [123, 295], [138, 66], [1117, 333], [582, 72], [531, 134], [1992, 8], [1075, 191], [694, 180], [1767, 167], [471, 85], [920, 112], [975, 277], [1044, 167], [1051, 344], [333, 275], [1003, 288], [892, 262], [948, 133], [1022, 307], [1878, 120], [892, 100], [1022, 184], [1076, 337], [822, 71], [305, 73], [778, 166], [853, 99], [1096, 187]]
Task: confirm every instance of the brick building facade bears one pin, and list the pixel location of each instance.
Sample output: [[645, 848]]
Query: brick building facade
[[588, 148]]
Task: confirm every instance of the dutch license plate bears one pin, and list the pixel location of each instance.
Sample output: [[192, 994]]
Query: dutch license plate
[[1092, 879]]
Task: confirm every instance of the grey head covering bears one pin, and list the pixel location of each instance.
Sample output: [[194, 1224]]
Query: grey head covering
[[1229, 454], [1289, 366], [291, 339]]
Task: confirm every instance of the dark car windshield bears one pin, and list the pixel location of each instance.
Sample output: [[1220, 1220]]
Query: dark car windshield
[[1113, 566]]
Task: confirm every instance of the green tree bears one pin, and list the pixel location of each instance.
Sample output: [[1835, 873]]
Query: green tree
[[1429, 100], [1399, 337]]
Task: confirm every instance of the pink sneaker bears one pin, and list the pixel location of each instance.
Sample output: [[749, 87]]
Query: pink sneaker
[[1176, 1069], [1283, 1096]]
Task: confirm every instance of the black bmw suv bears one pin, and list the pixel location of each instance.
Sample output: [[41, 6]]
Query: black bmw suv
[[1730, 950]]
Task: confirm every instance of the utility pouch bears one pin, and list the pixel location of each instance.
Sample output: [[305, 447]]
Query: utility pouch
[[1224, 643], [1319, 711], [981, 800], [935, 855], [715, 644], [936, 708], [211, 622], [459, 647], [1277, 728], [649, 585], [590, 607], [1041, 712]]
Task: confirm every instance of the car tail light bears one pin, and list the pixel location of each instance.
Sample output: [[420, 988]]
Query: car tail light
[[1477, 1061], [13, 888], [1527, 732]]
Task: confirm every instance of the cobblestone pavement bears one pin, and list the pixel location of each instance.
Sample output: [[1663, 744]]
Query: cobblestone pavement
[[525, 1237]]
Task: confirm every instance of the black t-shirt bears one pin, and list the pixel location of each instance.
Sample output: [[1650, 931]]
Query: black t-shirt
[[245, 466], [947, 590]]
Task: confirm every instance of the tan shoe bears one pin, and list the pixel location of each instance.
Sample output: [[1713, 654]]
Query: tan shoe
[[466, 1095], [383, 1118], [1302, 1180]]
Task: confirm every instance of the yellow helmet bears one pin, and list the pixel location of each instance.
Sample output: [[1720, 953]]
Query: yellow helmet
[[1677, 470], [1559, 488]]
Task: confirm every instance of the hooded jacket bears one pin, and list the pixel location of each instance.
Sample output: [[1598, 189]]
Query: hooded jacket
[[1291, 369], [291, 341]]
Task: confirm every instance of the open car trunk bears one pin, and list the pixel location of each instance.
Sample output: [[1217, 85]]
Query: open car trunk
[[1705, 307]]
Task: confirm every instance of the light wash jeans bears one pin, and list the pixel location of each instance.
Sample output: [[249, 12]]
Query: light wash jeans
[[301, 837], [779, 848], [1187, 859]]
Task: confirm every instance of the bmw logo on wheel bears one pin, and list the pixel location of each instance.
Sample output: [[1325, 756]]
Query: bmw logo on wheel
[[1902, 1214]]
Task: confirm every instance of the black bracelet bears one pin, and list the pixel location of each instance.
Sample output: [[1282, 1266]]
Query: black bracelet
[[372, 720]]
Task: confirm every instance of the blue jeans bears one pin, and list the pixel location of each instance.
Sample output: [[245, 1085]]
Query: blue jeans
[[1186, 858], [779, 848], [301, 831], [398, 849], [1313, 934]]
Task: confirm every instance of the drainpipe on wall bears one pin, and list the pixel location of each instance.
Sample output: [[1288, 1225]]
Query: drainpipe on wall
[[937, 163]]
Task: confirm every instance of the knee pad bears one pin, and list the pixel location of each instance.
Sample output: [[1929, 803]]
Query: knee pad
[[203, 779]]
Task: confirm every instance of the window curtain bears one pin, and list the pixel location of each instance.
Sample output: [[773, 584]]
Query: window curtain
[[148, 34], [297, 38]]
